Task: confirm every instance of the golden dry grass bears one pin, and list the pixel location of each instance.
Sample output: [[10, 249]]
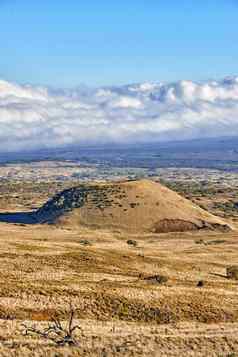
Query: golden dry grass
[[43, 268]]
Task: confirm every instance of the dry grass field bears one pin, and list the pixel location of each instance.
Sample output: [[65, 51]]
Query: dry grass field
[[155, 295]]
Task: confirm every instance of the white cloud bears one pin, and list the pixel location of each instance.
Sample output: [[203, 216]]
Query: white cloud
[[37, 117]]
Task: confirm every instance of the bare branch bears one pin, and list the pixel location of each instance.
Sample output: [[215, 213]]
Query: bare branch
[[55, 331]]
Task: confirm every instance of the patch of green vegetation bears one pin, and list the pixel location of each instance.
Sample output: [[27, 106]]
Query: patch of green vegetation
[[195, 189], [228, 207]]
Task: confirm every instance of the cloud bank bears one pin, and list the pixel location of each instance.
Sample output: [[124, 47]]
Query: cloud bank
[[38, 117]]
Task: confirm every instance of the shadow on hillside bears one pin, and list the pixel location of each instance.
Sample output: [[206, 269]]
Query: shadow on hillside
[[18, 217]]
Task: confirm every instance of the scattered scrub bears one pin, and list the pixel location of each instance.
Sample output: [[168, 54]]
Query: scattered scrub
[[232, 272], [199, 241], [157, 279], [85, 242], [227, 207], [211, 242], [216, 241], [200, 284], [132, 242]]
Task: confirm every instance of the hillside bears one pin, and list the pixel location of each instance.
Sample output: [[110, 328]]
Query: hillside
[[167, 292], [132, 206]]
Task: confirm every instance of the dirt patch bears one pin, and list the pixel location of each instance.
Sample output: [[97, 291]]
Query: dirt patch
[[174, 225]]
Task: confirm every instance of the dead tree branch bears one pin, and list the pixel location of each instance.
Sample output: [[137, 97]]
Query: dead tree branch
[[56, 332]]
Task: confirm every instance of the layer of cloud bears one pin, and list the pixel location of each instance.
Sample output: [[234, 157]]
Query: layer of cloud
[[37, 117]]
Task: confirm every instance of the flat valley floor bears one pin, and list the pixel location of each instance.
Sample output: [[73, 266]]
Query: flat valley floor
[[121, 309]]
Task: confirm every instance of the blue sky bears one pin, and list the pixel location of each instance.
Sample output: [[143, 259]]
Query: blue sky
[[106, 42]]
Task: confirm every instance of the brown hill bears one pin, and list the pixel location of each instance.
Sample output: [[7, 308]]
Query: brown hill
[[132, 206]]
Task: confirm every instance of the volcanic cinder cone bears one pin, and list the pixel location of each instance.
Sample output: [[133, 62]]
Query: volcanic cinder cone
[[131, 206]]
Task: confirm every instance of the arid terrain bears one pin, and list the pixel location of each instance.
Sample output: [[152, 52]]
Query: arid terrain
[[134, 293]]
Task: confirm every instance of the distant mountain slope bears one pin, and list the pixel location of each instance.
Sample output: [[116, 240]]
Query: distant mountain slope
[[133, 206]]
